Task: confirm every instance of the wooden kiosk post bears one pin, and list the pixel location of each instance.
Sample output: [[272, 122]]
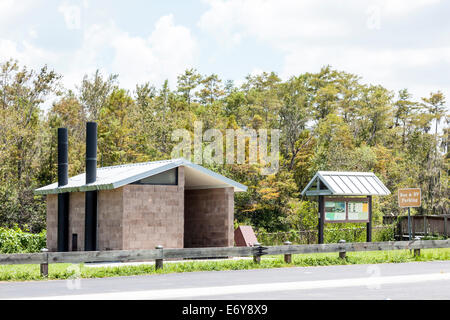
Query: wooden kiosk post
[[321, 218], [369, 224]]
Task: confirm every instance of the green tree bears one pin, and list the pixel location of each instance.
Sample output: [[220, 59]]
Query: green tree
[[94, 93], [22, 93], [116, 142], [187, 83], [212, 89]]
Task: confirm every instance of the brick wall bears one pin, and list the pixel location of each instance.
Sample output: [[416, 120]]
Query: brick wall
[[110, 219], [153, 215], [209, 215], [110, 208], [76, 218], [52, 222]]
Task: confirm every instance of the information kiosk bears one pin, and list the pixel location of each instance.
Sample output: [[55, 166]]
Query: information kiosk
[[345, 197]]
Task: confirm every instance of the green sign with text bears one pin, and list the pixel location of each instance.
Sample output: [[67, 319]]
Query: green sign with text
[[346, 210]]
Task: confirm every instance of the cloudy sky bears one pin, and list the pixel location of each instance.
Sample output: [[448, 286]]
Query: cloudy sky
[[395, 43]]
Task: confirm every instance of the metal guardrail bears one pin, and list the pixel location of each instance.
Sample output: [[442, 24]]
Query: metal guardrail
[[159, 254]]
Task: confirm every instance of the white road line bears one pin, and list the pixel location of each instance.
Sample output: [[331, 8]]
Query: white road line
[[187, 293]]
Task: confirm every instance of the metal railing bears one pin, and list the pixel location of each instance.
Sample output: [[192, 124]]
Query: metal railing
[[159, 253]]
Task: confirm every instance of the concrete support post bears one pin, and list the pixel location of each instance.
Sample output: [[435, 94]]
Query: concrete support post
[[256, 256], [342, 254], [288, 256], [159, 262], [44, 266]]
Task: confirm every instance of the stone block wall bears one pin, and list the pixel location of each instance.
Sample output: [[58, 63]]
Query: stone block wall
[[110, 219], [209, 215], [76, 218], [153, 215], [52, 222]]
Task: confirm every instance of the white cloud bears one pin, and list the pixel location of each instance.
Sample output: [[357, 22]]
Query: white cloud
[[72, 15], [32, 32], [378, 65], [310, 34], [404, 7], [286, 20], [10, 9], [26, 53], [163, 54], [280, 20], [8, 49]]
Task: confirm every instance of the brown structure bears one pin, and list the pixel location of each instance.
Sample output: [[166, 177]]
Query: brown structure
[[208, 218], [244, 236], [196, 211], [430, 225]]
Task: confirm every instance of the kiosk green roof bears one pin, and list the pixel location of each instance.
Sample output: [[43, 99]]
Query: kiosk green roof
[[345, 184]]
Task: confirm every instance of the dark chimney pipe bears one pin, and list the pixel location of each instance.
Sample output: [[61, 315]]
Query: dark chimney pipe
[[90, 239], [63, 198], [91, 152]]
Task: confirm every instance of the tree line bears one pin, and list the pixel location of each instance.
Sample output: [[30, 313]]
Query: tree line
[[329, 120]]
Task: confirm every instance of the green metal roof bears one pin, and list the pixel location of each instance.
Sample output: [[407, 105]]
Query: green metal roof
[[118, 176], [345, 184]]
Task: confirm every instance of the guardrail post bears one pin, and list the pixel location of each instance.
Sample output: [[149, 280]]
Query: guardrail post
[[44, 266], [416, 252], [159, 262], [256, 256], [342, 254], [287, 256]]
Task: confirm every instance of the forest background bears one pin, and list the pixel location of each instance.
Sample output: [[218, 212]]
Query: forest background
[[329, 120]]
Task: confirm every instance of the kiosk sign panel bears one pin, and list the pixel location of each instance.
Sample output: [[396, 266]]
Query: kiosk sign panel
[[345, 210], [358, 211], [335, 211]]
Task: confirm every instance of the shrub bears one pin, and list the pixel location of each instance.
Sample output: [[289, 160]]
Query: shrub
[[387, 233], [16, 240], [332, 234], [336, 232]]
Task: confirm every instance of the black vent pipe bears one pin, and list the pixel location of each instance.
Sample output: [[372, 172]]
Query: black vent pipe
[[91, 152], [63, 198], [90, 234]]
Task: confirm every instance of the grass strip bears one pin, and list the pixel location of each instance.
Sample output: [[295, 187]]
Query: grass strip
[[72, 271]]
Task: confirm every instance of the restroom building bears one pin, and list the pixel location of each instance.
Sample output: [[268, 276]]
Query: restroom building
[[173, 203]]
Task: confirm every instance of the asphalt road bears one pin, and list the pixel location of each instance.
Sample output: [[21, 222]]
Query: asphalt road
[[421, 280]]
